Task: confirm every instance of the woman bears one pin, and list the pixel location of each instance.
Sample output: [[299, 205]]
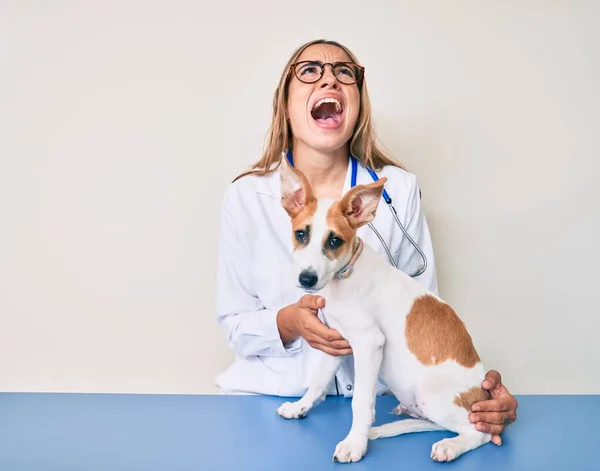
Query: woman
[[321, 115]]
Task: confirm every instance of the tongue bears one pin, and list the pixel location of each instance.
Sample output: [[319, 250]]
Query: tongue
[[328, 120], [326, 114]]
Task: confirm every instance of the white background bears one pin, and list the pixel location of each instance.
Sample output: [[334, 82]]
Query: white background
[[122, 122]]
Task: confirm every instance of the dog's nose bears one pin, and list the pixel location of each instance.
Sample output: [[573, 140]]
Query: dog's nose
[[308, 279]]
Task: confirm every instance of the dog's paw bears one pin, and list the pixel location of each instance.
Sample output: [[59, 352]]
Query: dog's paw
[[351, 449], [445, 450], [292, 410]]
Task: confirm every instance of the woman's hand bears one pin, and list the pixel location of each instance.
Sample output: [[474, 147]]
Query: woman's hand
[[494, 415], [300, 319]]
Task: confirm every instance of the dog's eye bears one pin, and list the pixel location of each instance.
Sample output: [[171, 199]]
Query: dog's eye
[[335, 242], [300, 235]]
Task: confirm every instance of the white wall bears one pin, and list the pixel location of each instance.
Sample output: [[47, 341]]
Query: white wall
[[121, 124]]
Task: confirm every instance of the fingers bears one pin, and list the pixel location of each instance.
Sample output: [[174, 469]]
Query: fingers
[[332, 351], [495, 418], [316, 333], [494, 405], [489, 428], [339, 345], [313, 325], [497, 440], [309, 301], [319, 336], [492, 380]]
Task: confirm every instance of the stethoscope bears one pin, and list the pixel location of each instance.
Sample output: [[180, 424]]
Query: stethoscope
[[354, 162]]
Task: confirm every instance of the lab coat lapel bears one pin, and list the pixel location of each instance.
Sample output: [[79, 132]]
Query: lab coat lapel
[[348, 181]]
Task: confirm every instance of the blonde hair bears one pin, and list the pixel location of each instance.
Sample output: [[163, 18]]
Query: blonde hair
[[363, 144]]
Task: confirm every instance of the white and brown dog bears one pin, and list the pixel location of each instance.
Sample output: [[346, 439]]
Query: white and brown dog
[[396, 328]]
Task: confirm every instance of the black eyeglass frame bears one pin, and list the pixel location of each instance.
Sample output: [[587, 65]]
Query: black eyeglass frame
[[360, 68]]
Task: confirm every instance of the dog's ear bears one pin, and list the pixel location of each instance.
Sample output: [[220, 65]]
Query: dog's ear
[[359, 205], [296, 192]]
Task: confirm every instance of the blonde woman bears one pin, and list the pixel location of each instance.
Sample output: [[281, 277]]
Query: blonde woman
[[322, 119]]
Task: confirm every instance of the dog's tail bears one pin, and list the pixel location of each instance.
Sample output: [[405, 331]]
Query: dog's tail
[[403, 426]]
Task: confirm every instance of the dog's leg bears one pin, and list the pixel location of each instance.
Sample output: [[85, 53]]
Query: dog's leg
[[449, 449], [317, 388], [439, 406], [368, 354]]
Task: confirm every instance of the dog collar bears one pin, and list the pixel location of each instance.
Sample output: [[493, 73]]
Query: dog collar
[[349, 268]]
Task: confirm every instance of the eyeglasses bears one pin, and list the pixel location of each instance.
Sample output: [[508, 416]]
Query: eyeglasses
[[347, 73]]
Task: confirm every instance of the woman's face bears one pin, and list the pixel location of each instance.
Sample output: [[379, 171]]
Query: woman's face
[[323, 126]]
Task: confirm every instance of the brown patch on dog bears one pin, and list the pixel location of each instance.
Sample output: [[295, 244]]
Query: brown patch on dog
[[435, 334], [337, 223], [302, 220], [468, 398]]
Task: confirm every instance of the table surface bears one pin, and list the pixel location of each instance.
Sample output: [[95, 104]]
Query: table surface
[[113, 432]]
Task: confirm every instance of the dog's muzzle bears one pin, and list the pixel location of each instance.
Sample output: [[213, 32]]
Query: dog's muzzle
[[308, 279]]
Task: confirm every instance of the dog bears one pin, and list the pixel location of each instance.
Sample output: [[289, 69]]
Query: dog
[[395, 326]]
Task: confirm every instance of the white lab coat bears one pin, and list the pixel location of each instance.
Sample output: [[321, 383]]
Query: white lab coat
[[255, 279]]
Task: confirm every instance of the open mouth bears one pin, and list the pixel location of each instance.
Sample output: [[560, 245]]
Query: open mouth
[[328, 112]]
